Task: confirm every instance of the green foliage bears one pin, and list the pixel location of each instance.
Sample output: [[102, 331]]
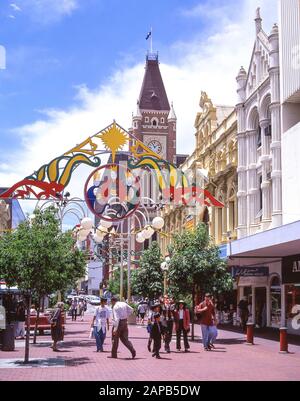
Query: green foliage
[[114, 283], [195, 261], [39, 258], [147, 279]]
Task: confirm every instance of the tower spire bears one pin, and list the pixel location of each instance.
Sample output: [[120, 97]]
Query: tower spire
[[258, 21]]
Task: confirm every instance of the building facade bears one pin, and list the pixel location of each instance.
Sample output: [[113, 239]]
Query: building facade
[[215, 156], [259, 136], [267, 252]]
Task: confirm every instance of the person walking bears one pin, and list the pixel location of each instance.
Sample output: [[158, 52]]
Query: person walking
[[73, 308], [120, 313], [207, 316], [20, 318], [100, 322], [168, 321], [244, 313], [182, 324], [57, 330], [156, 308], [157, 333], [81, 307], [142, 310]]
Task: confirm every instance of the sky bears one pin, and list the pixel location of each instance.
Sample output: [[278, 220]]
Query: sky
[[72, 66]]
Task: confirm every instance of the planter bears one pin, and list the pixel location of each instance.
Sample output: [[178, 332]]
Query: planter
[[131, 319]]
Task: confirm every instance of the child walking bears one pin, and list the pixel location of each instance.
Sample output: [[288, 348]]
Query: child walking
[[157, 334]]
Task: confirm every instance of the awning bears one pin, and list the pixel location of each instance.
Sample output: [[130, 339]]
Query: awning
[[265, 246]]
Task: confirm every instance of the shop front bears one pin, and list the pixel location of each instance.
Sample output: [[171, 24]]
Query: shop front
[[266, 268], [291, 281]]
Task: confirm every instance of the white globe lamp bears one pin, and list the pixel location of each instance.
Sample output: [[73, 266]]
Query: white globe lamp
[[139, 238], [147, 232], [158, 223], [87, 223]]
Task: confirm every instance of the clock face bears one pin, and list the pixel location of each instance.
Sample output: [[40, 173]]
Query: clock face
[[155, 146]]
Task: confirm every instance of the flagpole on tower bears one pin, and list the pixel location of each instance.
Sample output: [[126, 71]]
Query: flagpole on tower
[[151, 41]]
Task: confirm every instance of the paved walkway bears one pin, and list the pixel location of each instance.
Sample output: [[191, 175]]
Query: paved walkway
[[78, 360]]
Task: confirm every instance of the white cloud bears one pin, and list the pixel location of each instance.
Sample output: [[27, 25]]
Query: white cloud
[[206, 63], [15, 7], [47, 11]]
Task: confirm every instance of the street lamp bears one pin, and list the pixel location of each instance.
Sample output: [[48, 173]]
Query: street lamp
[[165, 267]]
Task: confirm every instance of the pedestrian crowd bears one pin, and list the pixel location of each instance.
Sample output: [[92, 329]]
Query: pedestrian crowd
[[163, 316]]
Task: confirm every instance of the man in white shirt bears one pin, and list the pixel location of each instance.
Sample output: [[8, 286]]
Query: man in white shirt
[[120, 313], [100, 320]]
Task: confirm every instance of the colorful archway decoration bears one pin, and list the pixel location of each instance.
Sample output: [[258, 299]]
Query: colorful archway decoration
[[51, 179]]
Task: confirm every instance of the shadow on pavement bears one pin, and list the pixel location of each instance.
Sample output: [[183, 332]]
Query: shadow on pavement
[[231, 341], [76, 361]]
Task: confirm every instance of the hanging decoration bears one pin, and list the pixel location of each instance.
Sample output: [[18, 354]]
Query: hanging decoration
[[112, 192]]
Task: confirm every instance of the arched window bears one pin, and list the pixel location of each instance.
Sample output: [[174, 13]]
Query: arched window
[[154, 122]]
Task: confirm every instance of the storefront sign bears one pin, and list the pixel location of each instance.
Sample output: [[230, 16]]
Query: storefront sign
[[291, 269], [250, 271], [252, 281]]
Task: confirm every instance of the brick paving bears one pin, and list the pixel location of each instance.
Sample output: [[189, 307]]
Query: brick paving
[[78, 360]]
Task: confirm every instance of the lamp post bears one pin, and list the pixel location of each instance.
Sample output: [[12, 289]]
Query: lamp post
[[165, 267]]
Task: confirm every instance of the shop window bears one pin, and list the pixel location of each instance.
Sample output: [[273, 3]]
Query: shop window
[[275, 302], [293, 308]]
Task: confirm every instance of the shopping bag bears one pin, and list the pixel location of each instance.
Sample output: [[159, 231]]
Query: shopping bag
[[91, 335]]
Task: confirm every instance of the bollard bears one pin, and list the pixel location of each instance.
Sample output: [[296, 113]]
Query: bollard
[[250, 334], [283, 341]]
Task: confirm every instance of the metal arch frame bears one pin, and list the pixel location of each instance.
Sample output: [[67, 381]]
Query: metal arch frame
[[66, 209]]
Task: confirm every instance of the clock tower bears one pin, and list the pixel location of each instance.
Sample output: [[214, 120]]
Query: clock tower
[[155, 121]]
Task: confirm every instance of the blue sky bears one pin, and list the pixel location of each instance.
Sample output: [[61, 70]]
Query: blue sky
[[74, 65], [48, 58]]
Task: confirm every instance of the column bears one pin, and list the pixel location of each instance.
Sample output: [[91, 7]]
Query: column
[[274, 73], [253, 189], [266, 184], [253, 306], [242, 186], [224, 222], [276, 166], [283, 322], [268, 305], [242, 154]]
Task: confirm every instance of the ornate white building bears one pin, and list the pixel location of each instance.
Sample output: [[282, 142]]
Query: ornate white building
[[259, 136]]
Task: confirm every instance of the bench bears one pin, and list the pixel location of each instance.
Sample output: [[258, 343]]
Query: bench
[[43, 323]]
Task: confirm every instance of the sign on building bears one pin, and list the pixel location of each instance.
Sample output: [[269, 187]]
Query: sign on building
[[250, 271], [291, 270]]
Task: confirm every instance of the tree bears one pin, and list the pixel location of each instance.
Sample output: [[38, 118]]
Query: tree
[[114, 283], [147, 280], [196, 264], [39, 259]]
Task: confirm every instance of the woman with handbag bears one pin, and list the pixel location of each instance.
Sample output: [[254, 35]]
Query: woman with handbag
[[57, 330]]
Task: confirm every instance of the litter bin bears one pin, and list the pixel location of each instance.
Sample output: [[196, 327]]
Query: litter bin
[[8, 338]]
